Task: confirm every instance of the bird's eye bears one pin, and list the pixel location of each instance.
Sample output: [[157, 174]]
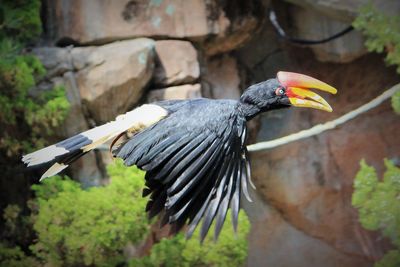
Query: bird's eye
[[280, 91]]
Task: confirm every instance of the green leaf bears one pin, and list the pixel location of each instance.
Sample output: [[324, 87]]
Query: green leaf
[[396, 102], [382, 33], [378, 204], [229, 250], [90, 227]]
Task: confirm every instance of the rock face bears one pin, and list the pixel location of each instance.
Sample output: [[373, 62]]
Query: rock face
[[308, 184], [346, 11], [176, 63], [316, 20], [222, 78], [227, 24], [314, 25], [186, 91], [115, 73]]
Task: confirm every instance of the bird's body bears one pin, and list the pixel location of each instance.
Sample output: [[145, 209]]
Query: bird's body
[[193, 151]]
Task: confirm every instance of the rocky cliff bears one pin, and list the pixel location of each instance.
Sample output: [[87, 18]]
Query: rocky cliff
[[114, 55]]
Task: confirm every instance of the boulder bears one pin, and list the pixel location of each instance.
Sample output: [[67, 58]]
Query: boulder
[[222, 78], [176, 63], [224, 25], [56, 60], [111, 78], [186, 91]]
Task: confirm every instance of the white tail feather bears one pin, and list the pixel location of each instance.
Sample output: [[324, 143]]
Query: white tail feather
[[133, 121], [53, 170]]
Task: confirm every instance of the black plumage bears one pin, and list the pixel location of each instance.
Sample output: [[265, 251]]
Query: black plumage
[[192, 159], [193, 151]]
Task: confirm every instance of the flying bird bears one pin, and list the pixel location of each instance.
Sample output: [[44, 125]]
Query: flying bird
[[193, 151]]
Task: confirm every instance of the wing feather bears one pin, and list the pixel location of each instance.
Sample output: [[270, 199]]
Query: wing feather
[[196, 152], [195, 166], [167, 153]]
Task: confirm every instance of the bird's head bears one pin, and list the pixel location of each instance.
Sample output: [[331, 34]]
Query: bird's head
[[286, 90]]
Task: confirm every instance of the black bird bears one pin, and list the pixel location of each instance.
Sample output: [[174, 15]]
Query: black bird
[[193, 151]]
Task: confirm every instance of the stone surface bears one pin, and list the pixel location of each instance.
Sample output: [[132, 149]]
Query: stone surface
[[276, 242], [186, 91], [310, 181], [176, 63], [263, 56], [310, 24], [316, 20], [225, 24], [346, 11], [222, 78], [56, 60], [111, 78]]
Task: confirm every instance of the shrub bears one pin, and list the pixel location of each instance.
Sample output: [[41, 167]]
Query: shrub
[[90, 227], [24, 118], [382, 32], [229, 250], [382, 35], [15, 257], [379, 206]]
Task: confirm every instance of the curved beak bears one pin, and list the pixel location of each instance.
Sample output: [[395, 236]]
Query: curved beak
[[298, 90]]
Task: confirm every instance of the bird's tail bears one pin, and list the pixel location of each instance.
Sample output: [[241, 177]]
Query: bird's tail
[[62, 154]]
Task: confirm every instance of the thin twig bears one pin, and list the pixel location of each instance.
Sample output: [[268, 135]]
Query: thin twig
[[317, 129]]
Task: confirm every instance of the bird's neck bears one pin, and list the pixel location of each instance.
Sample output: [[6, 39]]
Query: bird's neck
[[248, 110]]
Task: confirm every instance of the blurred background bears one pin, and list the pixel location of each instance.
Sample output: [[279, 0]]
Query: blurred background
[[67, 66]]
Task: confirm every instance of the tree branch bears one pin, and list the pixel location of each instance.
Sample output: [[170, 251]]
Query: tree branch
[[317, 129]]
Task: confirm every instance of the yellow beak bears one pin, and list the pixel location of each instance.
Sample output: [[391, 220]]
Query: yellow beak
[[298, 90]]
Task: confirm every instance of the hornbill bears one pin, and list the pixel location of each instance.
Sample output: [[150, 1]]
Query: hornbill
[[193, 151]]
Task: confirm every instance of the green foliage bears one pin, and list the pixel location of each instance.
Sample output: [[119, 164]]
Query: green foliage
[[396, 102], [382, 32], [40, 115], [21, 114], [379, 206], [89, 227], [383, 35], [20, 19], [17, 227], [390, 259], [15, 257], [48, 111], [16, 78], [10, 216], [229, 250], [77, 227]]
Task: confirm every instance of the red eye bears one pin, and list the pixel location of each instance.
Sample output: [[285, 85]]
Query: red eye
[[279, 91]]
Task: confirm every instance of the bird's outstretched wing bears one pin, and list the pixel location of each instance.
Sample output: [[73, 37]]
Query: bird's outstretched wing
[[196, 164]]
